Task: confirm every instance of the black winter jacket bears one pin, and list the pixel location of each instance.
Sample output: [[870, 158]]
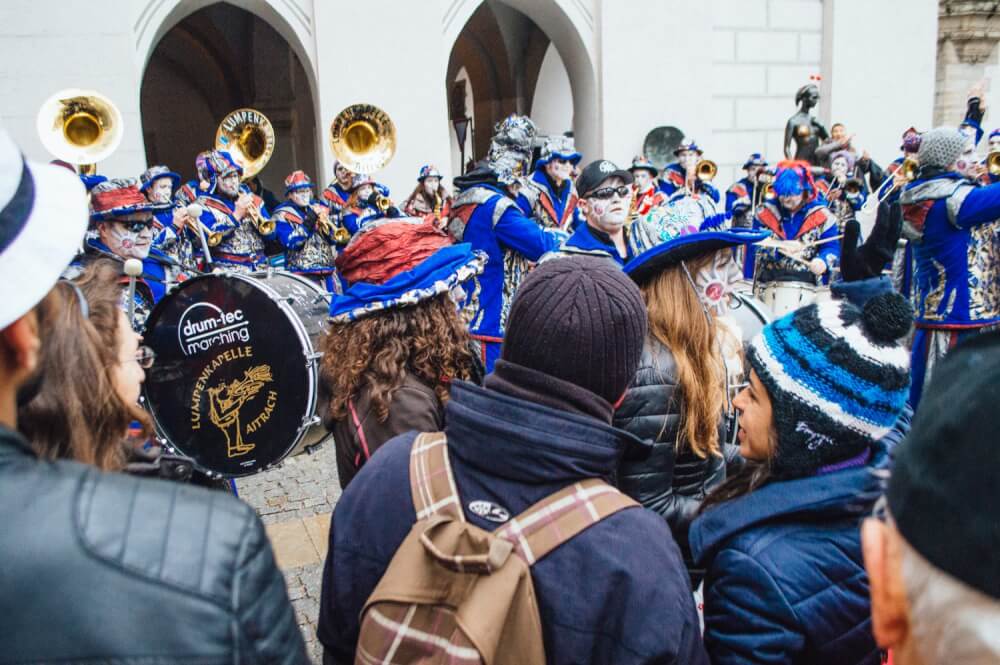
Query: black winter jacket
[[103, 568], [671, 484]]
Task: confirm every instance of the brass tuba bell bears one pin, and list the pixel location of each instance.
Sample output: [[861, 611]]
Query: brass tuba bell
[[363, 138], [705, 170], [81, 127], [248, 136]]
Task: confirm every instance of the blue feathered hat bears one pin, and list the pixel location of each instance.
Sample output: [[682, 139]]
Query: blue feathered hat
[[687, 246], [154, 173], [561, 147], [755, 159]]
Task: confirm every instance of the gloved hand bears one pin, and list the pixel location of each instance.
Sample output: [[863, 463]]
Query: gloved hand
[[868, 260]]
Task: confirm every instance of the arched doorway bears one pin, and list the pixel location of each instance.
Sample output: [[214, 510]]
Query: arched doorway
[[497, 61], [215, 60]]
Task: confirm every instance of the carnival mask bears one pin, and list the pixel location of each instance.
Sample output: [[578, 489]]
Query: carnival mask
[[714, 283], [431, 185], [159, 190], [229, 184], [689, 160], [559, 169], [642, 179]]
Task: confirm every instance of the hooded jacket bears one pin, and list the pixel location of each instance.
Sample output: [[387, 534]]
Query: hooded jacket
[[616, 593], [785, 580]]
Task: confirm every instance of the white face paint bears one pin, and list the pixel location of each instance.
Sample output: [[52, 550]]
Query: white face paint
[[431, 185], [124, 242], [230, 184], [301, 197], [559, 170], [642, 179], [608, 215], [160, 190], [715, 282], [967, 160], [995, 144], [688, 160], [839, 168], [792, 202]]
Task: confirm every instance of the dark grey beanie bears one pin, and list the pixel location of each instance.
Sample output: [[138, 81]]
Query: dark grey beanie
[[580, 319]]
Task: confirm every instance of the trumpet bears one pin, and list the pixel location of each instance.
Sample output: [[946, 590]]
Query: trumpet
[[81, 127], [264, 227], [339, 234], [993, 163]]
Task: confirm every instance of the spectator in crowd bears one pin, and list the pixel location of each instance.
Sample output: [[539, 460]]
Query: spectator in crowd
[[103, 567], [780, 541], [691, 356], [397, 338], [615, 593], [85, 394], [931, 554]]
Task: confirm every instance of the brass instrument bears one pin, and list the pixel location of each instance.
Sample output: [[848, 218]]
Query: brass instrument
[[437, 206], [363, 138], [81, 127], [993, 163], [853, 186], [706, 170], [248, 136], [907, 170], [340, 235]]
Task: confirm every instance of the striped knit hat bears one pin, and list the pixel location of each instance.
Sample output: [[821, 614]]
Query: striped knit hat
[[838, 378]]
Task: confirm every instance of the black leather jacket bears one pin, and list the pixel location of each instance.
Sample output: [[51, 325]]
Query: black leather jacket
[[671, 484], [103, 568]]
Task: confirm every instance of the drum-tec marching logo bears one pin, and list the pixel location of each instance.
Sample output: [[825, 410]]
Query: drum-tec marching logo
[[204, 325]]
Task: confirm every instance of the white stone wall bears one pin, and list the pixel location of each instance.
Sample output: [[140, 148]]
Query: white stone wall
[[725, 71], [762, 52]]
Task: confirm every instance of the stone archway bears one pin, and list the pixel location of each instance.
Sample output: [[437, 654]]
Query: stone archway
[[213, 59], [523, 31]]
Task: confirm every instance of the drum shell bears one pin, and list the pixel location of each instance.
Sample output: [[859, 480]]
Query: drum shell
[[235, 382]]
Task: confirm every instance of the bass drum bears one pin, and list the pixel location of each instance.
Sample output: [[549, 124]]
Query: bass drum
[[749, 313], [235, 381]]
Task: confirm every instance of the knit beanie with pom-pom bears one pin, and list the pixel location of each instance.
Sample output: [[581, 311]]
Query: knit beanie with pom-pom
[[838, 378]]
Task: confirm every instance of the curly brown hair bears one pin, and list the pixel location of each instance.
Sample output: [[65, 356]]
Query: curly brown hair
[[75, 412], [428, 340]]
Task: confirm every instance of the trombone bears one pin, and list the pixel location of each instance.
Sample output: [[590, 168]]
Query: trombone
[[81, 127], [248, 136]]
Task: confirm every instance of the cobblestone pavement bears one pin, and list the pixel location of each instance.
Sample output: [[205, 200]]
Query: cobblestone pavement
[[294, 502]]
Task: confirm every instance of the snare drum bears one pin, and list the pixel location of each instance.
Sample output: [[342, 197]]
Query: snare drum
[[235, 381], [784, 297]]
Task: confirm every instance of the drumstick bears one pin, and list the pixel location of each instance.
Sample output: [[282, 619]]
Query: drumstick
[[822, 241]]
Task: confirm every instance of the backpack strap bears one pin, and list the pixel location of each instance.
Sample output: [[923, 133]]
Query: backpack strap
[[557, 518], [431, 482]]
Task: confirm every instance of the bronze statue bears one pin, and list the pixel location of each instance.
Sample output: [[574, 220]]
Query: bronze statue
[[804, 128]]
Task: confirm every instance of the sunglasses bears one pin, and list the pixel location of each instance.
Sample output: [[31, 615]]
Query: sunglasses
[[144, 356], [139, 226], [607, 192]]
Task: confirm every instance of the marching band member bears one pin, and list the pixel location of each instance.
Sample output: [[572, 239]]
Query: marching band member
[[486, 215], [306, 232], [645, 194], [847, 192], [188, 192], [988, 177], [605, 198], [338, 192], [429, 198], [740, 196], [123, 220], [953, 228], [363, 204], [171, 226], [238, 216], [549, 192], [681, 177], [799, 213]]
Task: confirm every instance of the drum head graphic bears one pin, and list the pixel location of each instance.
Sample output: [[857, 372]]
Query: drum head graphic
[[230, 386]]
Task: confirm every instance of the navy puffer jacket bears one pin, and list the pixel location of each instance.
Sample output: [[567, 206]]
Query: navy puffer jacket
[[785, 580]]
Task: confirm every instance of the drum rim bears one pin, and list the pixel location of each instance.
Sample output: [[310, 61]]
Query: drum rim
[[256, 279]]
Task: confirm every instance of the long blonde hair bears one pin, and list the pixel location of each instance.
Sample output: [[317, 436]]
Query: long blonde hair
[[677, 319]]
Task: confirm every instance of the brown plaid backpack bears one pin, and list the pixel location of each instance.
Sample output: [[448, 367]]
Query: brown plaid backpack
[[455, 593]]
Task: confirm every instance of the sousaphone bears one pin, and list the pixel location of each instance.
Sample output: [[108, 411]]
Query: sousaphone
[[248, 136], [81, 127], [363, 138]]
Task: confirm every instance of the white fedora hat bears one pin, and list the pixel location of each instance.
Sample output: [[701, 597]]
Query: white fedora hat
[[43, 218]]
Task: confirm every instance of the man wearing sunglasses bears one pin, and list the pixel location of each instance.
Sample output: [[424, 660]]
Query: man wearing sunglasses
[[122, 222], [605, 197]]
